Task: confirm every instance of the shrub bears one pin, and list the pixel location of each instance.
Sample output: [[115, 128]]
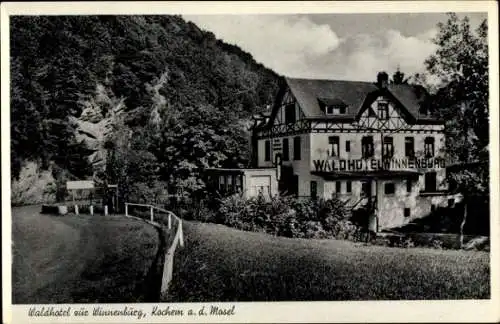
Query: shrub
[[314, 229], [437, 244], [287, 216], [149, 193]]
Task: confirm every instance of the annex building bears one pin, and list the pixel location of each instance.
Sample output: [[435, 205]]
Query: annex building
[[369, 143]]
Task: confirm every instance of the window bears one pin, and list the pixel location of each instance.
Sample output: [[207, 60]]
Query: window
[[338, 186], [314, 189], [407, 212], [334, 145], [383, 110], [389, 188], [339, 109], [238, 183], [409, 147], [429, 147], [367, 147], [430, 182], [365, 189], [286, 150], [408, 185], [222, 183], [348, 186], [290, 114], [348, 146], [267, 151], [296, 148], [388, 148]]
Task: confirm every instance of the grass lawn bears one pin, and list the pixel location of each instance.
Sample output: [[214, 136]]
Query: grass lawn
[[224, 264], [79, 259]]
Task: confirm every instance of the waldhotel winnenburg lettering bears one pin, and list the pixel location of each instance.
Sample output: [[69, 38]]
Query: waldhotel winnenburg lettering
[[373, 164], [368, 143]]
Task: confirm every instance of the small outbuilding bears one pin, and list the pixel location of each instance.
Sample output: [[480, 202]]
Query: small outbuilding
[[248, 182]]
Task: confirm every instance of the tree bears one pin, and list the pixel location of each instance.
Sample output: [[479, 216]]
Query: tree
[[399, 77], [194, 138], [460, 63], [58, 61]]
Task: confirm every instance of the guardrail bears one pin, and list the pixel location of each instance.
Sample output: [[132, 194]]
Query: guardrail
[[161, 218]]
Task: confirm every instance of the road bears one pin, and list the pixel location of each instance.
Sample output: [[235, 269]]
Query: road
[[78, 259]]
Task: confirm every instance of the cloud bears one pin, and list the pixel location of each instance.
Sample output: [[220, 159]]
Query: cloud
[[279, 42], [298, 47], [361, 56]]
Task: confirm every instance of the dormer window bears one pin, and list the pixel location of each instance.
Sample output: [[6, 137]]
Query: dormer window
[[336, 110], [333, 106]]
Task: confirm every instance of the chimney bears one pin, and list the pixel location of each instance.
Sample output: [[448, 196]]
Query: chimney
[[382, 79]]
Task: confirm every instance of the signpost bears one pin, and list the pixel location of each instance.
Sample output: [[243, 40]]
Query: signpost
[[82, 184], [75, 186]]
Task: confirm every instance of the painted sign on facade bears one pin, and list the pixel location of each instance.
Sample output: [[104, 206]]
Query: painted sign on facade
[[376, 164]]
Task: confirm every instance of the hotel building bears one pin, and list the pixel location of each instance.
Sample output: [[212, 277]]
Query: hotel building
[[369, 143]]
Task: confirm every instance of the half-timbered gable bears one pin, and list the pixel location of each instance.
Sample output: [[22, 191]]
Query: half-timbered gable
[[288, 111]]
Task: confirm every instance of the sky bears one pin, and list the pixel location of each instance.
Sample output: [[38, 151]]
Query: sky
[[333, 46]]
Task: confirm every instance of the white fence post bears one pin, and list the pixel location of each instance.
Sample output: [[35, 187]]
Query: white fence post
[[92, 210], [105, 210], [181, 234], [152, 213], [76, 209], [169, 220], [126, 209]]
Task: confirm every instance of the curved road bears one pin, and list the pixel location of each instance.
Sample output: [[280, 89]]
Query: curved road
[[77, 259]]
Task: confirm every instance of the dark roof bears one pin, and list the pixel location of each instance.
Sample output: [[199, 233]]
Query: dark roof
[[310, 92], [332, 102], [411, 97]]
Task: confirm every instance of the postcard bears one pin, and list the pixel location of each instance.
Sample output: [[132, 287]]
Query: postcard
[[268, 162]]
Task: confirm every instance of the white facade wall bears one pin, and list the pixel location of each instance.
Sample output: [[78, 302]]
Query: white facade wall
[[320, 147], [252, 178]]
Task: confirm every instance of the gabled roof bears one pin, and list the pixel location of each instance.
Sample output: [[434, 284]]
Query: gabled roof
[[311, 92], [308, 91], [412, 98]]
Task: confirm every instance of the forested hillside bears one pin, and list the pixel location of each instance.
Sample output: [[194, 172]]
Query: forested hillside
[[100, 95]]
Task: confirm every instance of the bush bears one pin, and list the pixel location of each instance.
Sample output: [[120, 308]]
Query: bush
[[287, 216], [149, 193]]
